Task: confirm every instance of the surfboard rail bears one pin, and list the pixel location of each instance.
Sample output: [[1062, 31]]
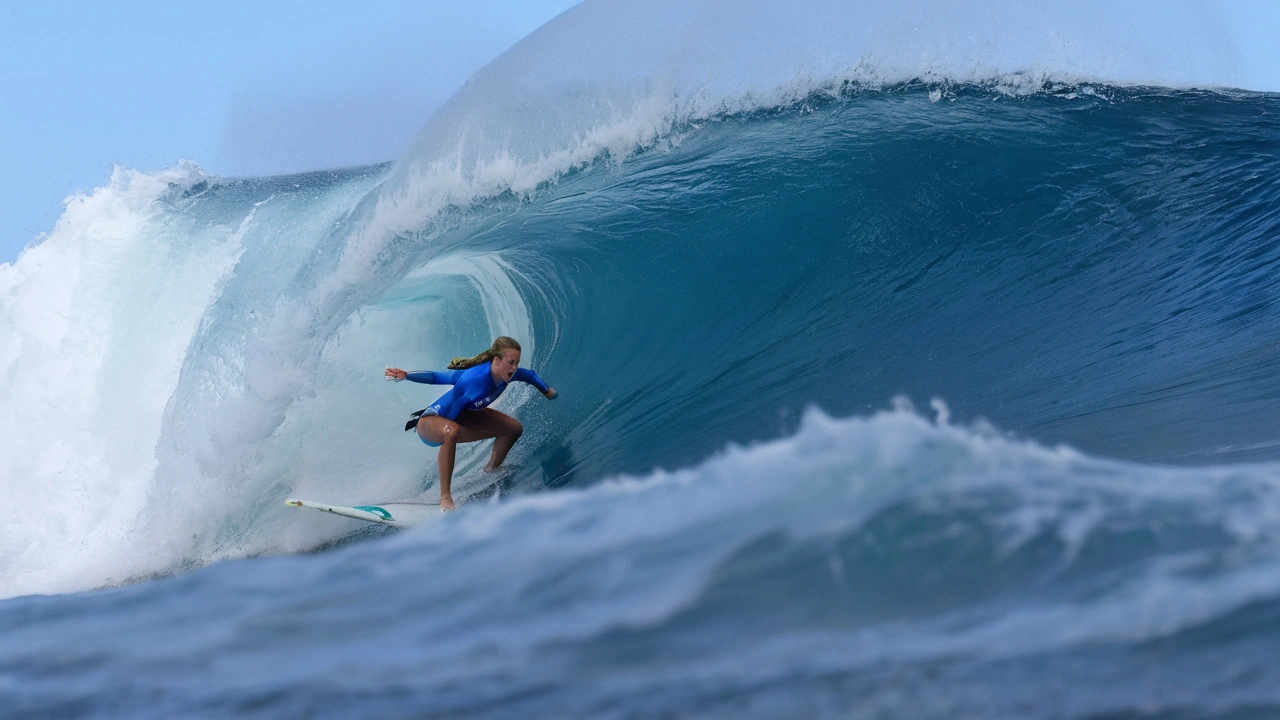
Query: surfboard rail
[[399, 514]]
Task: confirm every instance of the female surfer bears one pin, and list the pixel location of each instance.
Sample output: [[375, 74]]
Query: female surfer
[[463, 415]]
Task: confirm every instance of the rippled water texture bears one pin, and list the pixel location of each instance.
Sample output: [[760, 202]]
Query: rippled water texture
[[906, 369], [1084, 265]]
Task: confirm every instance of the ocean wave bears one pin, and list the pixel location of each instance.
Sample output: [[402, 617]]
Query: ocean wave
[[606, 79], [726, 246], [851, 549], [1080, 268]]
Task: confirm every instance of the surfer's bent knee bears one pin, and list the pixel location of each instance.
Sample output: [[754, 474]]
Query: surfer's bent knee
[[447, 429]]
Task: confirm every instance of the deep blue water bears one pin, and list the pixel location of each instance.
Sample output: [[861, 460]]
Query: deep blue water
[[1085, 523]]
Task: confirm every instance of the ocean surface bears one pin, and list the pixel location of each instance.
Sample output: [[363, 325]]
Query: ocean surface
[[886, 393]]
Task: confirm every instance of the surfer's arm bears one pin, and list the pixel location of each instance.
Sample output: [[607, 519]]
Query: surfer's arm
[[428, 377], [431, 377], [531, 377]]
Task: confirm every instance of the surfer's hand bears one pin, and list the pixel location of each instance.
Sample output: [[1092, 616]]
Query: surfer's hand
[[550, 394], [446, 503], [395, 374]]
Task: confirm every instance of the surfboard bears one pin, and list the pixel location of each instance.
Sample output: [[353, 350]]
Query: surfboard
[[399, 514]]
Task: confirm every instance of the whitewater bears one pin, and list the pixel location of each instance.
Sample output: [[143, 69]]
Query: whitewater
[[915, 360]]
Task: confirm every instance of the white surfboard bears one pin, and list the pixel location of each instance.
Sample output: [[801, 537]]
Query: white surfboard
[[399, 514]]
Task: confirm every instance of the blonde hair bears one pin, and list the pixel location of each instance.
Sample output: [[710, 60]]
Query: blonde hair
[[500, 345]]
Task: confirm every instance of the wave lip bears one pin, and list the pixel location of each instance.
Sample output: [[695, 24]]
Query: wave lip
[[607, 78]]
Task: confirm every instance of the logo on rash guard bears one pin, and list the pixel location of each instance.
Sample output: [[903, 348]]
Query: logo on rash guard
[[485, 401]]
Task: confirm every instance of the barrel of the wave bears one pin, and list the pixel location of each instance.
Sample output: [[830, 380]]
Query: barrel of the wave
[[462, 415]]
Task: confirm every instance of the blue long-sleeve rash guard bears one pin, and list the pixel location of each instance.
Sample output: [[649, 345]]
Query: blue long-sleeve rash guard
[[473, 388]]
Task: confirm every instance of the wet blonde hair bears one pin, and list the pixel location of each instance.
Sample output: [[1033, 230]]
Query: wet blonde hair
[[500, 345]]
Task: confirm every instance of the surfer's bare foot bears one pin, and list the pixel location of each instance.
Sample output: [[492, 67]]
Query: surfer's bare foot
[[489, 469], [446, 503]]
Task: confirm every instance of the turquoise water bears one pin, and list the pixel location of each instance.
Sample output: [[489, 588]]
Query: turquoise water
[[1091, 269], [906, 370]]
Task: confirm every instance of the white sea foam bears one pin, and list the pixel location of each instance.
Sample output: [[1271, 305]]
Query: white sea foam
[[100, 321], [636, 551], [609, 77], [94, 323], [506, 583], [162, 396]]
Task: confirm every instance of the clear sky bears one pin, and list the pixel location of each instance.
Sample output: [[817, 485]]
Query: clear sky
[[242, 87], [249, 87]]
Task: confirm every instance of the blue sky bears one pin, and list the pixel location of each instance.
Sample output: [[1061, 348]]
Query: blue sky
[[255, 88], [240, 87]]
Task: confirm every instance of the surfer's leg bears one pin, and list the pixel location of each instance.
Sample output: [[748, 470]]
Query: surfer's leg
[[491, 423], [448, 433], [436, 429]]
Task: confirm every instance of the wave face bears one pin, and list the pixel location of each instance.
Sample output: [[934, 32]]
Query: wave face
[[757, 262], [1091, 267], [1073, 268]]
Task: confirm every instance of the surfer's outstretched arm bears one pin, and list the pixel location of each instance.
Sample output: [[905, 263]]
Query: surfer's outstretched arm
[[427, 377]]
